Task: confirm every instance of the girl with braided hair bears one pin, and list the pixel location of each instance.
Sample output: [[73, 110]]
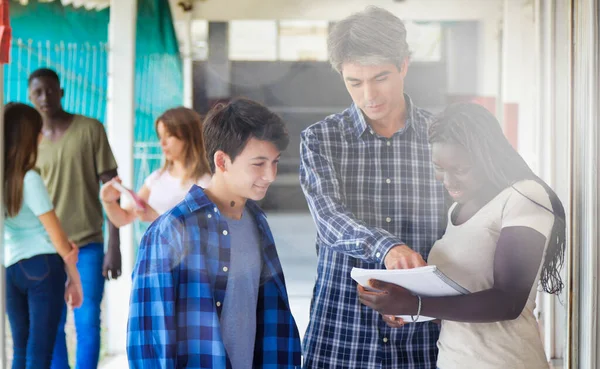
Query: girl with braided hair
[[505, 236]]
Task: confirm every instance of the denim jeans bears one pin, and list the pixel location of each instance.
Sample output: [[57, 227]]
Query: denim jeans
[[35, 291], [87, 317]]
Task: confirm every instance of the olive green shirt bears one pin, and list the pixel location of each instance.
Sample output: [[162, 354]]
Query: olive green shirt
[[71, 168]]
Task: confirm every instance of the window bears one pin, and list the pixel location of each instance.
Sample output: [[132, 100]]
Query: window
[[253, 40], [199, 39], [199, 34], [424, 40], [292, 40], [303, 40]]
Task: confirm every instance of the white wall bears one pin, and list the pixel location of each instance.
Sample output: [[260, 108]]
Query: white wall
[[489, 51], [519, 72]]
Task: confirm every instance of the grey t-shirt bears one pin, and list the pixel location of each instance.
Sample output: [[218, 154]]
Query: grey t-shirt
[[238, 317]]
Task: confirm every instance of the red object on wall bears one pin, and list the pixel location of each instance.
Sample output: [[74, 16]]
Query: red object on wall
[[5, 32], [511, 123]]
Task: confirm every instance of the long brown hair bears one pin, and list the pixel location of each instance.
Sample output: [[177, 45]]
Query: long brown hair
[[186, 125], [22, 127]]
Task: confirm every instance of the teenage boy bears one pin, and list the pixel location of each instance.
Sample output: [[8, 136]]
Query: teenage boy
[[74, 157], [208, 288]]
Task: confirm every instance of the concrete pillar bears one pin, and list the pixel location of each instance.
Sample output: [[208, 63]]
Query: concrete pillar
[[120, 123], [583, 255], [188, 67], [552, 150]]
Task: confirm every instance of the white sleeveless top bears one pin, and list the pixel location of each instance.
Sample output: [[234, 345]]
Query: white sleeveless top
[[167, 191]]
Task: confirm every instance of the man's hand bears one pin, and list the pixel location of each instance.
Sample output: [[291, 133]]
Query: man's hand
[[111, 269], [112, 262], [403, 257]]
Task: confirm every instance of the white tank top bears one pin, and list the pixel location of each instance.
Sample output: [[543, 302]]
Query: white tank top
[[167, 191]]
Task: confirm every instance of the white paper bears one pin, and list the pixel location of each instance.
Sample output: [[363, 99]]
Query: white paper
[[425, 281]]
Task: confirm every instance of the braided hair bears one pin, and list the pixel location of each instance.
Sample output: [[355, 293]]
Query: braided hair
[[475, 129]]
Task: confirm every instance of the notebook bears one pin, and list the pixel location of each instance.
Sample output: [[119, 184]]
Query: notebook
[[425, 281]]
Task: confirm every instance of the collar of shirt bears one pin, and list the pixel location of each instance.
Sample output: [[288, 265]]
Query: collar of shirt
[[196, 199], [361, 126]]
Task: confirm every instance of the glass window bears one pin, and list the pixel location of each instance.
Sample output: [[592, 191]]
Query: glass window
[[252, 40], [199, 34], [303, 40], [199, 39], [424, 40]]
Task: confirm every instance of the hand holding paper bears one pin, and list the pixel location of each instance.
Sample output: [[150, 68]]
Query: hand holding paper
[[108, 193], [395, 290], [389, 299], [133, 197]]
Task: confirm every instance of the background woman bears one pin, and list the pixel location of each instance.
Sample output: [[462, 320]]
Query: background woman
[[36, 249], [180, 133]]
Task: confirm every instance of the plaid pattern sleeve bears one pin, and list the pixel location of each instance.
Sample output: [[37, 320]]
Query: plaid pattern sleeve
[[337, 227], [366, 194], [152, 326]]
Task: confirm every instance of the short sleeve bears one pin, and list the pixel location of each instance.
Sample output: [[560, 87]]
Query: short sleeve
[[150, 181], [35, 194], [528, 206], [103, 155]]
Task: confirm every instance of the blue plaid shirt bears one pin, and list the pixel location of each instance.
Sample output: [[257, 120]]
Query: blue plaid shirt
[[367, 193], [178, 290]]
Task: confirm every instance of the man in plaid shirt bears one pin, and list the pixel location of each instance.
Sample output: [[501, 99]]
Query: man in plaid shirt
[[208, 289], [370, 186]]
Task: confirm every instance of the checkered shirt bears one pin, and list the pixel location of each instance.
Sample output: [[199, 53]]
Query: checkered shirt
[[178, 290], [367, 193]]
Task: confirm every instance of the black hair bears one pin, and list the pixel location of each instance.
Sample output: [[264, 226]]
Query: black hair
[[228, 127], [478, 131], [43, 72]]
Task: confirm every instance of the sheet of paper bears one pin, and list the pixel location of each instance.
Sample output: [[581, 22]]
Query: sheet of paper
[[132, 196], [425, 281]]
